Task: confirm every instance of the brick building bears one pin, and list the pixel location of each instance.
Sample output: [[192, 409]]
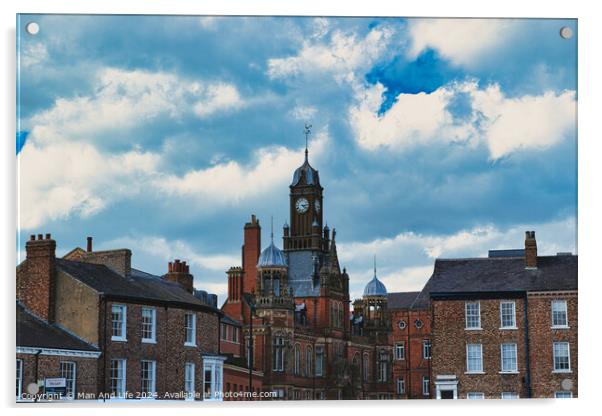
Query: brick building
[[504, 326], [157, 336], [292, 306]]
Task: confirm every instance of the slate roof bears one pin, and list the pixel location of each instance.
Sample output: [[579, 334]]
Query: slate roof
[[306, 172], [300, 269], [401, 300], [272, 256], [499, 274], [375, 288], [36, 333], [139, 285], [227, 320]]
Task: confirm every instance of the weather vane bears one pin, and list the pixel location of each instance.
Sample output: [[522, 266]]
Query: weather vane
[[307, 133]]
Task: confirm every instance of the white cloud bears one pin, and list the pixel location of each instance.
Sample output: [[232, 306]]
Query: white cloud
[[462, 41], [343, 56], [32, 54], [303, 113], [405, 262], [216, 98], [505, 124], [230, 182]]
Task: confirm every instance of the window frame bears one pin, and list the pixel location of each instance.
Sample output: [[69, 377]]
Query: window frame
[[426, 386], [278, 355], [513, 325], [123, 379], [475, 395], [566, 314], [151, 392], [401, 386], [426, 349], [297, 360], [309, 360], [191, 328], [478, 316], [123, 336], [563, 394], [513, 370], [400, 346], [509, 395], [216, 370], [189, 372], [319, 368], [153, 326], [72, 380], [568, 357], [19, 378], [468, 370]]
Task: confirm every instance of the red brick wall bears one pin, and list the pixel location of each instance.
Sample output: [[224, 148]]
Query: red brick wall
[[250, 253], [236, 380], [544, 381]]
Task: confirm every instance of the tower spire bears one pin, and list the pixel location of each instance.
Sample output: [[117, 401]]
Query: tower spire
[[307, 133], [272, 228], [375, 265]]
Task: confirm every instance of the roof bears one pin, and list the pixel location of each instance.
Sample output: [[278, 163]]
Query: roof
[[227, 320], [36, 333], [401, 300], [375, 288], [272, 256], [138, 285], [306, 175], [499, 274]]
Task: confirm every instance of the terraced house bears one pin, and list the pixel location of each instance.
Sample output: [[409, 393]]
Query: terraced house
[[118, 332]]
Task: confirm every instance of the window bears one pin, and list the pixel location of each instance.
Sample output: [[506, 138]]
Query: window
[[475, 396], [212, 380], [402, 324], [400, 351], [509, 359], [319, 360], [19, 378], [67, 370], [118, 320], [234, 334], [297, 369], [250, 354], [562, 360], [118, 378], [149, 325], [401, 386], [147, 376], [418, 323], [189, 381], [190, 325], [366, 367], [383, 367], [563, 395], [426, 349], [509, 395], [224, 330], [559, 315], [508, 314], [473, 315], [474, 358], [278, 354], [425, 386], [309, 362]]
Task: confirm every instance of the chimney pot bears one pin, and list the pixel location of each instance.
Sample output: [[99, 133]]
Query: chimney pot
[[89, 245], [32, 237], [39, 236], [48, 236], [170, 267]]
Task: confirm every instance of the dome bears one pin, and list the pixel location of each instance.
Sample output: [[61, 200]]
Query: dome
[[272, 256], [305, 171], [375, 288]]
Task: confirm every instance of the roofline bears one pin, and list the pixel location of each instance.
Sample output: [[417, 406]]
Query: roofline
[[500, 258], [62, 352], [478, 295], [158, 302]]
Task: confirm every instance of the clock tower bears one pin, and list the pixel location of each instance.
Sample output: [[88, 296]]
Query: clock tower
[[305, 231]]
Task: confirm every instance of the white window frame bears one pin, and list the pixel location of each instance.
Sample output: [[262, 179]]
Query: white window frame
[[119, 394], [400, 351], [512, 348], [19, 378], [401, 386], [426, 386], [568, 352], [72, 380], [564, 309], [473, 395], [151, 392], [426, 349], [153, 325], [215, 366], [123, 310], [189, 381], [512, 325], [468, 369], [563, 395], [478, 316], [190, 330], [319, 364], [509, 395]]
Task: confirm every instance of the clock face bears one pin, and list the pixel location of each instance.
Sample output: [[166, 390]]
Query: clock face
[[302, 205], [317, 206]]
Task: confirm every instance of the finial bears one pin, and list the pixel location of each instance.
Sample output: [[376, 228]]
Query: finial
[[307, 133], [375, 265], [272, 228]]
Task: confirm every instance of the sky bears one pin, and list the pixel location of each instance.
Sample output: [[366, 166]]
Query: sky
[[434, 138]]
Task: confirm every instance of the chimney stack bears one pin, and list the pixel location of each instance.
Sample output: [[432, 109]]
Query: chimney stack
[[36, 277], [530, 250], [250, 253], [179, 272], [89, 245]]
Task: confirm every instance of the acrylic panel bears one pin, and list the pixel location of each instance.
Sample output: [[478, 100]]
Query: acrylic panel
[[231, 208]]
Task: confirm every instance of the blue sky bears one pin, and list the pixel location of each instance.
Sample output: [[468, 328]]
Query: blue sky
[[433, 137]]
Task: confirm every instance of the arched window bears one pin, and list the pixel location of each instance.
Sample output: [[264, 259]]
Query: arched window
[[341, 315], [366, 367], [309, 360], [278, 354], [297, 369]]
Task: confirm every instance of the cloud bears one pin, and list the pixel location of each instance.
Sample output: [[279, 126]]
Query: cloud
[[463, 112], [230, 182], [216, 98], [405, 262], [303, 113], [32, 54], [462, 41], [342, 57]]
